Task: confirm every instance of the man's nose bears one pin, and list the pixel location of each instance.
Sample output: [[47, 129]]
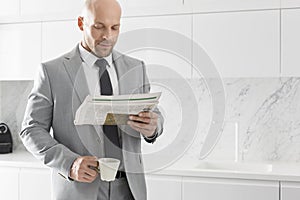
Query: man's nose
[[107, 34]]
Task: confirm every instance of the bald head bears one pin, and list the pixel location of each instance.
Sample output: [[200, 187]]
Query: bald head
[[100, 23], [101, 5]]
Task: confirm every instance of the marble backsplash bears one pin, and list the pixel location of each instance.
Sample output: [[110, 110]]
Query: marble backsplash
[[261, 124], [13, 100], [262, 120]]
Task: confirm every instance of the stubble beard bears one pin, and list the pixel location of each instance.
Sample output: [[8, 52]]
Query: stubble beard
[[102, 51]]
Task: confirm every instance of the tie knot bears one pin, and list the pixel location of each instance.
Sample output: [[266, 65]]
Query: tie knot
[[101, 63]]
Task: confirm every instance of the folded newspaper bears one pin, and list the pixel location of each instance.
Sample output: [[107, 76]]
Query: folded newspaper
[[112, 110]]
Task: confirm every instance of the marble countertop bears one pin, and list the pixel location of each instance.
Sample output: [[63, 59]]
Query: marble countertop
[[20, 158], [233, 170], [188, 168]]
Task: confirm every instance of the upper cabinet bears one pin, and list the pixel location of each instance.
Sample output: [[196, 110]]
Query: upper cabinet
[[20, 50], [64, 33], [163, 42], [230, 5], [240, 44], [154, 7], [290, 3], [15, 11], [290, 42], [54, 9], [9, 8]]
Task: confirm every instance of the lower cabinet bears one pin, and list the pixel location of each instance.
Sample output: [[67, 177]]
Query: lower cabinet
[[35, 184], [25, 183], [163, 187], [290, 190], [9, 184], [229, 189]]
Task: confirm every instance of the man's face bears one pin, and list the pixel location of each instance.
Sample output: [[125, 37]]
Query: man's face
[[100, 29]]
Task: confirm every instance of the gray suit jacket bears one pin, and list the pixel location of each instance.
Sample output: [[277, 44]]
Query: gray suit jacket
[[59, 89]]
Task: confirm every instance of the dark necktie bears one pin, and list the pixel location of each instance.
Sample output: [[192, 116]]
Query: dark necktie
[[111, 138]]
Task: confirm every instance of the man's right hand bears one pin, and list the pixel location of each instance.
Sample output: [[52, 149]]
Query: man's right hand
[[81, 171]]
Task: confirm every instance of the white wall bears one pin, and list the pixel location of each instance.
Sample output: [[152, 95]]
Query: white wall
[[243, 38], [249, 38]]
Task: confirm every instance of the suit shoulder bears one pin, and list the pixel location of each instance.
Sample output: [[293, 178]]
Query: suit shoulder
[[60, 59], [54, 62], [127, 58]]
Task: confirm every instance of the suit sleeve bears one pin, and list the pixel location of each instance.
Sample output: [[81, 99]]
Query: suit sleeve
[[159, 129], [35, 133]]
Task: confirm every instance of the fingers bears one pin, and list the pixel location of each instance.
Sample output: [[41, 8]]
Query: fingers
[[144, 122], [140, 126], [145, 129], [145, 117], [82, 171], [148, 114]]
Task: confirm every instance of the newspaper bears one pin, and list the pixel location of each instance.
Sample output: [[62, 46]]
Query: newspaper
[[112, 110]]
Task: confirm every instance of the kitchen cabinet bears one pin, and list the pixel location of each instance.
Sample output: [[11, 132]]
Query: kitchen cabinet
[[290, 3], [57, 10], [229, 189], [67, 37], [54, 9], [240, 44], [158, 53], [69, 9], [230, 5], [20, 50], [10, 8], [163, 187], [290, 42], [35, 184], [154, 7], [9, 183], [290, 190], [23, 177]]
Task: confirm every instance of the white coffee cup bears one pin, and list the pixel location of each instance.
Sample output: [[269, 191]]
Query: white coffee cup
[[108, 168]]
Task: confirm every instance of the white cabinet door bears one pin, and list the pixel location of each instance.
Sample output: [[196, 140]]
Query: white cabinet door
[[9, 183], [290, 3], [290, 191], [67, 37], [241, 44], [35, 184], [20, 50], [290, 42], [55, 9], [163, 187], [9, 8], [230, 5], [229, 189], [153, 7], [161, 51]]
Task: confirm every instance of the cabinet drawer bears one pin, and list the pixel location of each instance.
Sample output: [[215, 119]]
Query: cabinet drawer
[[229, 189]]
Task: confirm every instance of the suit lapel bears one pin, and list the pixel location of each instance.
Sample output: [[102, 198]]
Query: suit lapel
[[74, 69], [125, 76], [121, 69], [73, 66]]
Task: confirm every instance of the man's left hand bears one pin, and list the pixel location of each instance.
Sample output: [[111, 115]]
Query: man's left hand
[[144, 122]]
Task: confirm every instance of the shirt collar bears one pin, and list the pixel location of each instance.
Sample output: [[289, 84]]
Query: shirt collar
[[90, 58]]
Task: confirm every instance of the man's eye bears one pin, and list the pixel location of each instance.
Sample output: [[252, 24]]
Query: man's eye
[[98, 26], [115, 27]]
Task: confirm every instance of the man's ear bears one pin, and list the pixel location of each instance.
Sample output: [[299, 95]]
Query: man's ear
[[80, 23]]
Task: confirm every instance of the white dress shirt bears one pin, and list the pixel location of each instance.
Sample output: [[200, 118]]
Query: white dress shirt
[[92, 76], [92, 72]]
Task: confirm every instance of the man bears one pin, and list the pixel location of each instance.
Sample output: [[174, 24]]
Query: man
[[60, 88]]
